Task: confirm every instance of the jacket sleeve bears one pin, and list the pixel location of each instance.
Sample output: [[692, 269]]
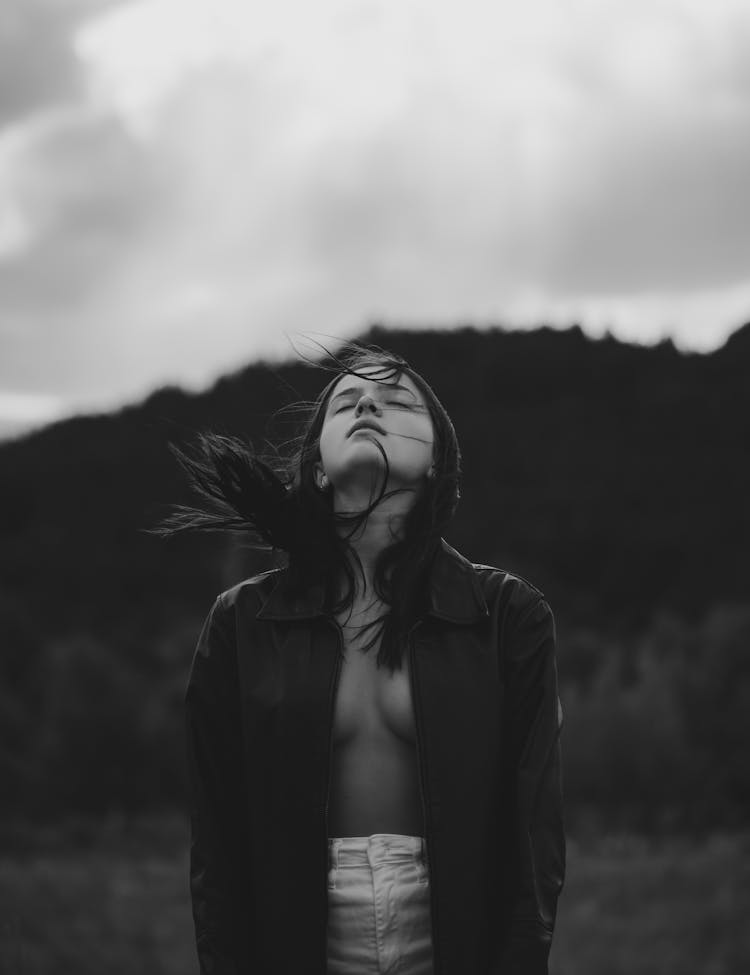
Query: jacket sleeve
[[535, 839], [217, 798]]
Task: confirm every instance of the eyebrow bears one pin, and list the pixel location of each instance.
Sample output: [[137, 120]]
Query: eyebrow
[[397, 387]]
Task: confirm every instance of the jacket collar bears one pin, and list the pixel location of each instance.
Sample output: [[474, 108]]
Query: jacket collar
[[455, 595]]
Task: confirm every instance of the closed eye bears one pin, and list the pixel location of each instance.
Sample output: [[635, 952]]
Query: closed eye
[[411, 406]]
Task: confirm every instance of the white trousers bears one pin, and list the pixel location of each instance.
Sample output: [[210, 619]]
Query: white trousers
[[378, 906]]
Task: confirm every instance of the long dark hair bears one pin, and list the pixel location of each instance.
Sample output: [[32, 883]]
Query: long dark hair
[[275, 502]]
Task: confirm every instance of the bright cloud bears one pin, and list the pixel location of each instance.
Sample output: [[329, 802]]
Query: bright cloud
[[218, 175]]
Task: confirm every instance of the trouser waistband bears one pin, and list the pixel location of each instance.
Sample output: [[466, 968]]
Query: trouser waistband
[[379, 847]]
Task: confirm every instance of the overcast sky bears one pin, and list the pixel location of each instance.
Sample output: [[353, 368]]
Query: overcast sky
[[186, 185]]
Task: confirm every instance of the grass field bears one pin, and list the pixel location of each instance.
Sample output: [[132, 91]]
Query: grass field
[[113, 901]]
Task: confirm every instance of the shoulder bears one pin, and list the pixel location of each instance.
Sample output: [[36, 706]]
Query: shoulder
[[242, 600], [520, 612], [503, 595], [506, 586], [249, 592], [510, 592], [218, 638], [493, 577]]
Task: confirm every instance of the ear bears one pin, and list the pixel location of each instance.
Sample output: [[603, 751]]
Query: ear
[[319, 474]]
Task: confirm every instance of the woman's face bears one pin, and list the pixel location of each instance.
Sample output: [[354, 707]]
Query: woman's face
[[363, 412]]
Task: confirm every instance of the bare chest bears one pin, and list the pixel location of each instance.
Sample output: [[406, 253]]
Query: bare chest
[[371, 702]]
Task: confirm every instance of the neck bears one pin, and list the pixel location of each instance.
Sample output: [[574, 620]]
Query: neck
[[382, 527]]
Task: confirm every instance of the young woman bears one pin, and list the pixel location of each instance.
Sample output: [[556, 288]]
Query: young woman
[[373, 730]]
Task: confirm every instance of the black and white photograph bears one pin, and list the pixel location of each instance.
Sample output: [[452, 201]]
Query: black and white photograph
[[374, 487]]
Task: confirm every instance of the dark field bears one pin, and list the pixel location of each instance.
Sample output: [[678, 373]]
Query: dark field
[[113, 901]]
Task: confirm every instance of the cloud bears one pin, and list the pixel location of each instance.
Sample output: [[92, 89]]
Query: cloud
[[38, 67], [85, 189], [218, 176], [92, 197], [643, 189]]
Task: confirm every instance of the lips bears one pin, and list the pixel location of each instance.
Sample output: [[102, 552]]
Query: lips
[[365, 425]]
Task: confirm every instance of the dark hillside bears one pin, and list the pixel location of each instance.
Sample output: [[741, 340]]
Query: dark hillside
[[614, 477]]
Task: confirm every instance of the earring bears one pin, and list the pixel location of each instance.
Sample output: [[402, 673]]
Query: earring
[[323, 482]]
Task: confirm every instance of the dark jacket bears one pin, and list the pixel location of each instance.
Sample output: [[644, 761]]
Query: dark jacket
[[259, 720]]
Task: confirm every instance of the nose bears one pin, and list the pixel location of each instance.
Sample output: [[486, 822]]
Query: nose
[[367, 404]]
